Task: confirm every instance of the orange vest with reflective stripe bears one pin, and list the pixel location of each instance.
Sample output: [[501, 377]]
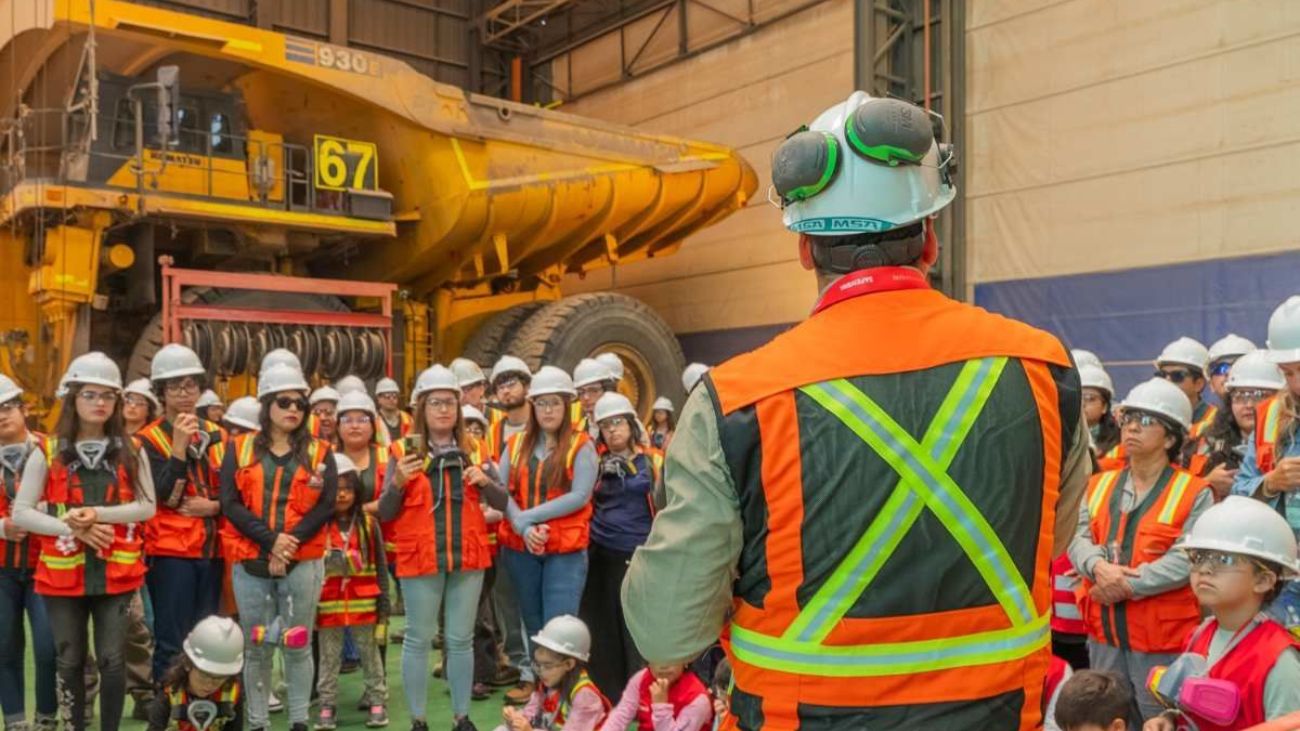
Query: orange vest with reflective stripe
[[69, 567], [440, 530], [1268, 426], [169, 533], [350, 598], [265, 496], [384, 435], [569, 533], [813, 649], [1115, 459], [1157, 623], [1066, 617], [20, 554], [1200, 425]]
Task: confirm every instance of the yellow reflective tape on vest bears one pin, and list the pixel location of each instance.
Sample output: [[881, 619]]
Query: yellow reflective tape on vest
[[944, 436], [354, 606], [126, 557], [63, 563], [935, 487], [1174, 496], [1272, 420], [1099, 494]]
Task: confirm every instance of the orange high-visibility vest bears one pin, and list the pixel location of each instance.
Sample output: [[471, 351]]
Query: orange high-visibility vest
[[169, 533], [1157, 623], [1207, 418], [443, 529], [897, 459], [261, 493], [569, 533], [351, 598], [1268, 428], [68, 567]]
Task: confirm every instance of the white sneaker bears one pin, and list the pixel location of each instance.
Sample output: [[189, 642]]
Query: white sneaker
[[274, 704]]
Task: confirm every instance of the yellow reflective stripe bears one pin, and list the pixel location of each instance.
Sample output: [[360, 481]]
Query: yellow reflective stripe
[[127, 557], [936, 488], [1174, 497], [944, 436], [246, 451], [1272, 418], [1099, 493], [63, 563], [339, 606], [892, 658]]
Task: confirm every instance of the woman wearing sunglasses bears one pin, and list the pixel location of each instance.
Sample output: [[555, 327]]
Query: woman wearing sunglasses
[[1183, 363], [1270, 469], [278, 488], [96, 492], [1134, 595], [1217, 455]]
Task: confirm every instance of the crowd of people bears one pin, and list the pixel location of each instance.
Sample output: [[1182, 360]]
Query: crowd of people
[[201, 541]]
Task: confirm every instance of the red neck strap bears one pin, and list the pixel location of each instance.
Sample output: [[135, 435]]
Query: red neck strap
[[869, 281]]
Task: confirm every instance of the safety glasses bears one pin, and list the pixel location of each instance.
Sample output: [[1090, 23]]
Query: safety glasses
[[1176, 375], [291, 403], [1212, 562], [1249, 395], [1142, 419], [1221, 368], [884, 131]]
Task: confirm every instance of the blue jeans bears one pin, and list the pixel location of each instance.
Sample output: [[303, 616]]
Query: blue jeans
[[547, 586], [183, 591], [291, 599], [18, 593], [424, 596]]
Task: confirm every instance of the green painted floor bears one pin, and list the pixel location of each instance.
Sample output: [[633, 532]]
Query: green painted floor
[[486, 714]]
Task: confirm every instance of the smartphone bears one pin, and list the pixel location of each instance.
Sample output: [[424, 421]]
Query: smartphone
[[413, 443]]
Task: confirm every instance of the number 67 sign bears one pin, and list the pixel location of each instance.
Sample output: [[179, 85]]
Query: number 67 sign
[[343, 164]]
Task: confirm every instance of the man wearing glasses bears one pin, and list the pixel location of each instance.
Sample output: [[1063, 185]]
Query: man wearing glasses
[[1183, 363]]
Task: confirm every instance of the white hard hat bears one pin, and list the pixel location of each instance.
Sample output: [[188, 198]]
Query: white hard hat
[[510, 364], [343, 464], [279, 356], [1255, 370], [467, 372], [692, 375], [864, 165], [663, 403], [1184, 351], [208, 398], [245, 412], [469, 413], [1090, 376], [280, 378], [613, 363], [1158, 396], [1230, 346], [1284, 332], [348, 384], [357, 401], [614, 404], [436, 378], [216, 646], [175, 361], [62, 389], [1085, 357], [591, 371], [550, 380], [142, 387], [8, 389], [387, 385], [566, 635], [324, 393], [1249, 527], [93, 369]]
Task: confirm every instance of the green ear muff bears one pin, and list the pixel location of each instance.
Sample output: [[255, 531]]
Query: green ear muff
[[889, 131], [804, 165]]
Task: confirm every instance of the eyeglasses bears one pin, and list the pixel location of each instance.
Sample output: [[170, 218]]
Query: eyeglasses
[[1142, 419], [355, 420], [548, 404], [539, 666], [442, 404], [103, 397], [189, 385], [291, 403], [1221, 369], [8, 406], [613, 423], [1177, 375], [507, 382], [132, 399], [595, 391], [1212, 562], [323, 409], [1251, 396]]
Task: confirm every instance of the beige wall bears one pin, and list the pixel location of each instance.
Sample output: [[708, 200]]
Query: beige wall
[[749, 93], [1107, 134]]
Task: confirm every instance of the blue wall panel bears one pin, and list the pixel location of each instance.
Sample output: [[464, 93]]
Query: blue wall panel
[[1126, 317]]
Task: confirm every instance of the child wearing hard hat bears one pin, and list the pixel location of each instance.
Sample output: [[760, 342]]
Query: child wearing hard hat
[[1239, 668], [201, 691], [564, 696]]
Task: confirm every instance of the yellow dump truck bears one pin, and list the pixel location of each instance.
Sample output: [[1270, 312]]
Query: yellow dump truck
[[172, 177]]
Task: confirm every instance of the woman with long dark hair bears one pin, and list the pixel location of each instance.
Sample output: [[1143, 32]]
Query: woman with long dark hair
[[1217, 455], [662, 423], [97, 492], [278, 489]]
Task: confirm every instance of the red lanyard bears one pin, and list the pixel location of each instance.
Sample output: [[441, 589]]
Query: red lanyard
[[868, 281]]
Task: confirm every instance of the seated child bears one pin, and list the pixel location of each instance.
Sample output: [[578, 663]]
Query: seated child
[[663, 698], [565, 697], [1094, 701], [203, 680]]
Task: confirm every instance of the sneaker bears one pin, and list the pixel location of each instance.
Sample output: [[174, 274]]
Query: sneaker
[[274, 704], [464, 724], [437, 671], [326, 720], [363, 704], [519, 695], [378, 716], [419, 726], [18, 726], [480, 692], [300, 726], [505, 678], [46, 723]]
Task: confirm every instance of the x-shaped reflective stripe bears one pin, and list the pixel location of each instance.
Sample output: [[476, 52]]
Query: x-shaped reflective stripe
[[924, 483]]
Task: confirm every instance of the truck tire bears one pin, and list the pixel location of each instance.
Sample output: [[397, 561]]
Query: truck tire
[[489, 342], [151, 338], [564, 332]]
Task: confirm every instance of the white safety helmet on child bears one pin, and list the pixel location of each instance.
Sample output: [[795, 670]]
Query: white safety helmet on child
[[1248, 527], [216, 646], [1162, 398], [343, 464], [566, 635]]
